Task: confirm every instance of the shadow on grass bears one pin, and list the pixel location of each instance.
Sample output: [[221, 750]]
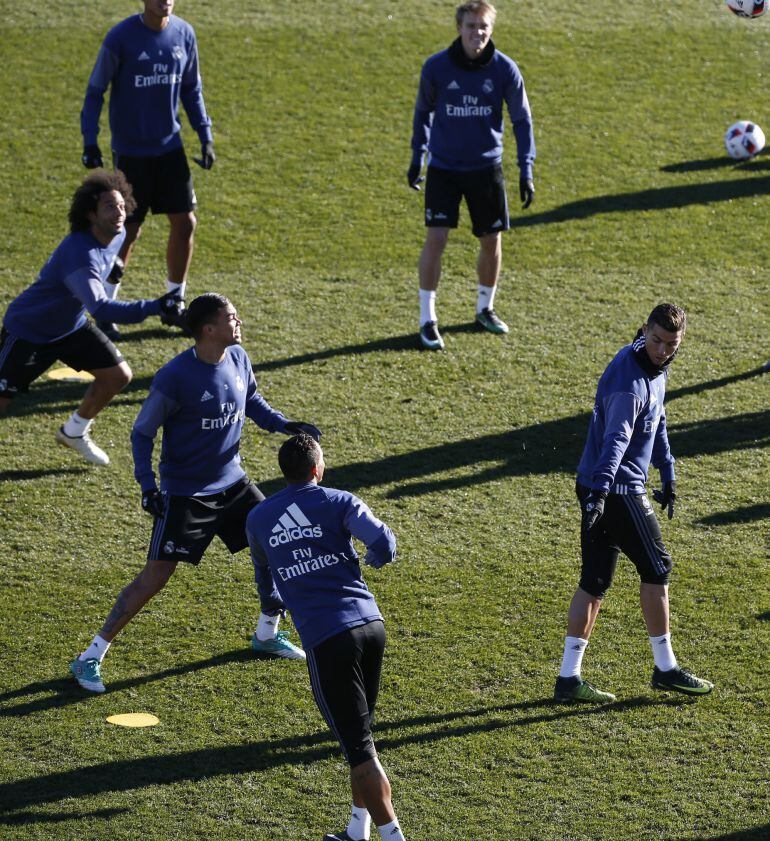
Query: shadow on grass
[[22, 818], [747, 514], [659, 198], [758, 833], [27, 475], [127, 775], [764, 617]]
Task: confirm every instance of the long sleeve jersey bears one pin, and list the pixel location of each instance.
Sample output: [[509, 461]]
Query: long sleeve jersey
[[69, 285], [201, 408], [301, 539], [149, 73], [628, 427], [458, 116]]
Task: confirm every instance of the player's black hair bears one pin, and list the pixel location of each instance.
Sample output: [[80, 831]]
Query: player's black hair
[[87, 196], [668, 316], [298, 456], [204, 310]]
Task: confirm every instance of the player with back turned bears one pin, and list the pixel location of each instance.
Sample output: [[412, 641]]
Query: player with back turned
[[200, 399], [302, 548], [628, 432], [150, 62]]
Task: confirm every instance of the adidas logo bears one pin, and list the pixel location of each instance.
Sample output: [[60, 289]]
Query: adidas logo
[[143, 56], [453, 86], [206, 396], [293, 525]]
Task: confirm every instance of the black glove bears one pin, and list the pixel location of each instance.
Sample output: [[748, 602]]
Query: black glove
[[414, 178], [297, 427], [171, 307], [207, 158], [116, 273], [154, 502], [527, 192], [593, 508], [666, 497], [92, 156]]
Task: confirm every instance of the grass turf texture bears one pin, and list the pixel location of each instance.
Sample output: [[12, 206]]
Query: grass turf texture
[[306, 222]]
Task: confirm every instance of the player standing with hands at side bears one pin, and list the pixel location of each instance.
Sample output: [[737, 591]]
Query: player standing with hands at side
[[150, 62], [626, 434], [458, 120], [301, 544]]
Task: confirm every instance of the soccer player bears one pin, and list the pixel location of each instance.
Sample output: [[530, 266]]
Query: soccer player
[[47, 321], [458, 120], [301, 545], [626, 433], [150, 61], [200, 399]]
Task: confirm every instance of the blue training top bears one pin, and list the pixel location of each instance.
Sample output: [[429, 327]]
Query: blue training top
[[201, 408], [69, 284], [628, 427], [300, 539], [458, 116], [149, 72]]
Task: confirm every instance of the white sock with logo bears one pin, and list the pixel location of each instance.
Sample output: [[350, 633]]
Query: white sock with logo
[[427, 306], [663, 652], [391, 831], [574, 648], [267, 626], [76, 427], [111, 289], [360, 824], [176, 287], [96, 650], [485, 298]]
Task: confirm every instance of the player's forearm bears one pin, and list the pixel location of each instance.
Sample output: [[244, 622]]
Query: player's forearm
[[525, 146], [141, 448], [89, 116], [125, 312]]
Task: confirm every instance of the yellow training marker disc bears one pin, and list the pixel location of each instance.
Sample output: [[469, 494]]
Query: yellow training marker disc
[[70, 375], [134, 719]]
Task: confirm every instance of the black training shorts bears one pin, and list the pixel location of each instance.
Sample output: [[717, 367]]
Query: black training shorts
[[484, 193], [628, 525], [190, 523], [162, 184], [345, 678], [22, 362]]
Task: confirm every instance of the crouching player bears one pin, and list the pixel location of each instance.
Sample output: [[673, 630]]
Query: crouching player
[[301, 545]]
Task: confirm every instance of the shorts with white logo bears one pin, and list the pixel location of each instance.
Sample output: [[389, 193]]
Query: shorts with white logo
[[22, 362], [190, 523], [484, 192], [345, 678], [628, 525], [162, 184]]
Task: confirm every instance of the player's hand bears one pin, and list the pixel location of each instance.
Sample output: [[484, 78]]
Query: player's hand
[[153, 502], [298, 428], [92, 156], [414, 178], [593, 508], [527, 192], [171, 307], [370, 559], [207, 158], [116, 272], [666, 498]]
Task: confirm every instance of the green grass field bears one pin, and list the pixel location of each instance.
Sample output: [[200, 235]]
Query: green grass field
[[307, 224]]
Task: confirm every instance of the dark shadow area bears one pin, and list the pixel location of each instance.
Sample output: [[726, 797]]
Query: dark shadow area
[[747, 514], [759, 833], [764, 617], [147, 333], [659, 198], [407, 341], [22, 818], [710, 385], [720, 162], [127, 775], [28, 475]]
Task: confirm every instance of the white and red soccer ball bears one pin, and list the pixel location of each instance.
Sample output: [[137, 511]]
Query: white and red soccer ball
[[743, 140], [748, 8]]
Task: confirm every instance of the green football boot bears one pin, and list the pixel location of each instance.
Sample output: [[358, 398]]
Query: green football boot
[[680, 680], [570, 689]]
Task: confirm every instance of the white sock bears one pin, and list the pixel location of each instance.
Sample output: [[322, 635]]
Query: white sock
[[76, 427], [360, 825], [574, 648], [111, 289], [96, 650], [663, 653], [427, 306], [267, 626], [391, 831], [485, 297], [176, 287]]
